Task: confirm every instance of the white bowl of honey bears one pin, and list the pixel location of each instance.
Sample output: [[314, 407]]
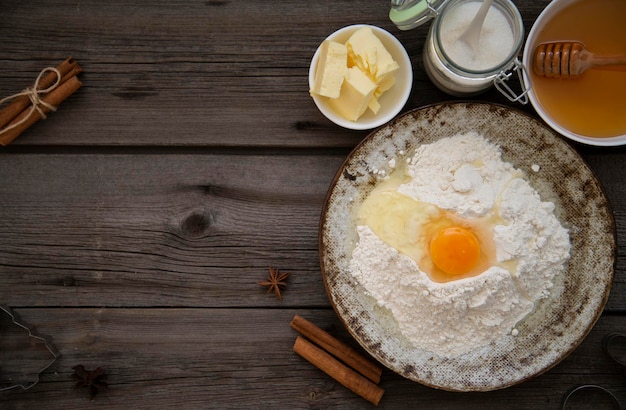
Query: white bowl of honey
[[589, 108]]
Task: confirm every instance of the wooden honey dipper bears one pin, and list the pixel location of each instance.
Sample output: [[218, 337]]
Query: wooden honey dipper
[[568, 59]]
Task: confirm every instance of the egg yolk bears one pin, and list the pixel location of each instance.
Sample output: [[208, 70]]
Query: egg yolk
[[455, 250]]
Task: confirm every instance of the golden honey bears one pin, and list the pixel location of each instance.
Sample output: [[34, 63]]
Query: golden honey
[[593, 104]]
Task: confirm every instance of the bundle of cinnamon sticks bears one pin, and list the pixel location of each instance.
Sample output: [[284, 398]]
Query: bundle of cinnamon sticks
[[338, 360], [31, 105]]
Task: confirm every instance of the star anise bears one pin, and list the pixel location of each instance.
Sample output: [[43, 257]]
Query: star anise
[[94, 380], [275, 281]]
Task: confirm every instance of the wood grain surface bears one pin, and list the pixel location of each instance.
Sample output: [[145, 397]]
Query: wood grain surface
[[138, 219]]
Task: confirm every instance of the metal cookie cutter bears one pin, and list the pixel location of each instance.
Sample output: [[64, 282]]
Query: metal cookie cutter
[[25, 384], [614, 345], [587, 388]]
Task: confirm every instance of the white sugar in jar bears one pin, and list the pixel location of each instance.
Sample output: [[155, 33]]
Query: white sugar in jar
[[457, 69]]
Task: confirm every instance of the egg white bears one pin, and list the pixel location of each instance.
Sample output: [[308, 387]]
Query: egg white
[[524, 244]]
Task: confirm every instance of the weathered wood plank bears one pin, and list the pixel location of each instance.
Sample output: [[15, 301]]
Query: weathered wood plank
[[202, 73], [119, 230], [203, 228], [242, 358], [168, 230]]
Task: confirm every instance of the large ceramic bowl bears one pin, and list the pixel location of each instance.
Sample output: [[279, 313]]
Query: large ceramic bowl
[[558, 323], [391, 102], [553, 9]]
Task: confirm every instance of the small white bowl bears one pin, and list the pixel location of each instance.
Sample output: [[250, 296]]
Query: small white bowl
[[391, 102], [550, 11]]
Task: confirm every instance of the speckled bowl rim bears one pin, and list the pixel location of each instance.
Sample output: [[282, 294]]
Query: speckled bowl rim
[[558, 324]]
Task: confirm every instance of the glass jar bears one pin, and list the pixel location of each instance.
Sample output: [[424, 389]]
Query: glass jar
[[449, 66]]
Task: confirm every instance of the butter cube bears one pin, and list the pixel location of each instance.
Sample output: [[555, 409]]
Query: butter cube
[[356, 93], [374, 105], [367, 52], [331, 69], [385, 85]]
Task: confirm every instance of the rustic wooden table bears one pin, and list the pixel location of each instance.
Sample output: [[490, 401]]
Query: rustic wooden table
[[136, 221]]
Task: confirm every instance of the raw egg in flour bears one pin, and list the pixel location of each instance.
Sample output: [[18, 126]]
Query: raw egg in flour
[[444, 245], [455, 250]]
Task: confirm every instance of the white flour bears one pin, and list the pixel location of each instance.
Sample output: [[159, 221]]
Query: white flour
[[465, 174], [495, 43]]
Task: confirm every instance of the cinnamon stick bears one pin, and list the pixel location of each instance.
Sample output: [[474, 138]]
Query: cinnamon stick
[[338, 371], [67, 68], [337, 348], [72, 73], [54, 98]]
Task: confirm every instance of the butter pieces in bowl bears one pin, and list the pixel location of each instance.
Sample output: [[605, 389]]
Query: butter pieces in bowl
[[360, 77]]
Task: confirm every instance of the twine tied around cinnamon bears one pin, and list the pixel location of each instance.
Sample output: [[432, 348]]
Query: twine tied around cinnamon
[[34, 93], [52, 86]]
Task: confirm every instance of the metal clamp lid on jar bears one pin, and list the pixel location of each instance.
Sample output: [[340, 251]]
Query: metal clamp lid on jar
[[409, 14], [500, 82]]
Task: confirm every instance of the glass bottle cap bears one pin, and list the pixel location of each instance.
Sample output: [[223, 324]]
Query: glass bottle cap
[[408, 14]]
